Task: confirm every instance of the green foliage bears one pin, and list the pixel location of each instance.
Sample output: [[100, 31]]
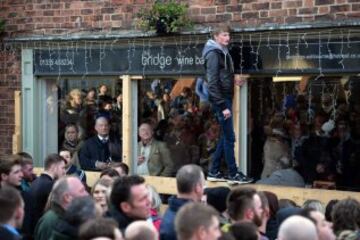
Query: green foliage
[[2, 25], [165, 17]]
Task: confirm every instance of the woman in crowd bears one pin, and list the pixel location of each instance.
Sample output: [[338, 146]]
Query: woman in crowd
[[103, 94], [72, 110], [99, 192], [72, 142], [90, 98]]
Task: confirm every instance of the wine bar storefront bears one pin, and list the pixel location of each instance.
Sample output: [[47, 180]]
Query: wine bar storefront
[[301, 84]]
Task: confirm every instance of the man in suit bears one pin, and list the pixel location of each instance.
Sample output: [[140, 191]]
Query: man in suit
[[54, 168], [11, 213], [95, 154], [153, 156]]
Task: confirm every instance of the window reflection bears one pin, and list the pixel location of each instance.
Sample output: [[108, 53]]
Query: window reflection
[[312, 126]]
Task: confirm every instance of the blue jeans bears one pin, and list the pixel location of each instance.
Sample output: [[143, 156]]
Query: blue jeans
[[225, 145]]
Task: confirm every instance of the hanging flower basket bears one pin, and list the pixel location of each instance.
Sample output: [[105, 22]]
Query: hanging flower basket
[[164, 18]]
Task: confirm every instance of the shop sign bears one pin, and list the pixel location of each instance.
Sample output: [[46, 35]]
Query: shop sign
[[316, 56]]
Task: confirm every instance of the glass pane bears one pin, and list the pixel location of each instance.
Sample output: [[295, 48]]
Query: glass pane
[[49, 115], [180, 119], [309, 124], [81, 101]]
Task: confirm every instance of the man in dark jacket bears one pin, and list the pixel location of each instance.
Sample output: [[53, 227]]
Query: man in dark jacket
[[95, 153], [40, 189], [79, 211], [129, 200], [219, 69], [65, 190], [71, 169], [190, 183]]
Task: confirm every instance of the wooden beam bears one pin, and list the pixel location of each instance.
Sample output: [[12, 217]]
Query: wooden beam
[[16, 138], [238, 117], [236, 122], [166, 185], [127, 126], [300, 195]]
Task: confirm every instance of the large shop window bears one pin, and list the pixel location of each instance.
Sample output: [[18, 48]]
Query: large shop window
[[307, 123], [80, 102], [176, 109], [180, 114]]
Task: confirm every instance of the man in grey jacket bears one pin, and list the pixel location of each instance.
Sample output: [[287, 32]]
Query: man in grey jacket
[[219, 69]]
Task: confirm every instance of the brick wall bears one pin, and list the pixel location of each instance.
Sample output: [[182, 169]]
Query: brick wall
[[26, 17], [10, 70], [66, 16]]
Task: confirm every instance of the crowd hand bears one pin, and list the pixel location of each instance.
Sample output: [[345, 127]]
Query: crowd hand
[[339, 168], [101, 165], [141, 159], [226, 113], [240, 80], [320, 168]]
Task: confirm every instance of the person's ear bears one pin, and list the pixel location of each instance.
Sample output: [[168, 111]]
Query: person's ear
[[19, 212], [67, 198], [125, 207], [199, 188], [267, 212], [201, 233], [4, 177], [249, 214]]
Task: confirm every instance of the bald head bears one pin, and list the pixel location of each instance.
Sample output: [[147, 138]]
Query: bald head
[[141, 230], [189, 178], [145, 132], [66, 189], [297, 228], [102, 126]]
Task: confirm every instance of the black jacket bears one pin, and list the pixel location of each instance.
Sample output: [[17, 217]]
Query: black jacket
[[122, 219], [5, 234], [93, 150], [64, 231], [219, 73], [26, 229], [167, 227], [40, 190]]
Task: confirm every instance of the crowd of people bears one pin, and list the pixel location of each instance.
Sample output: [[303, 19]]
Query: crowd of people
[[309, 138], [59, 205], [183, 129], [295, 141]]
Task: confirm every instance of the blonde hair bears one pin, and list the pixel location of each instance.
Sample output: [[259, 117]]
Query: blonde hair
[[103, 182], [72, 94]]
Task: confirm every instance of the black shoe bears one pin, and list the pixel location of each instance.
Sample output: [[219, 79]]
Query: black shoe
[[239, 178], [216, 177]]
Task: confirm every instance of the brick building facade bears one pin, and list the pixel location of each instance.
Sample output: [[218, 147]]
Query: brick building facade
[[46, 18]]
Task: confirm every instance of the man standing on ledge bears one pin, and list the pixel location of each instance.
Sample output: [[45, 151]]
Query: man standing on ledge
[[219, 69]]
